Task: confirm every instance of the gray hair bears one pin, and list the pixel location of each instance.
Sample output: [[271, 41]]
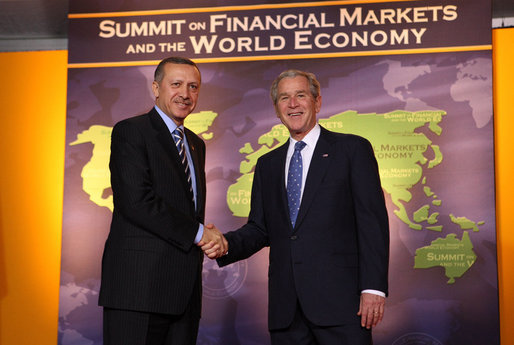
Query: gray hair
[[291, 73]]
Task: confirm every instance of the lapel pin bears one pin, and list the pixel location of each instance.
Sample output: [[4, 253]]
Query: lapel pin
[[325, 155]]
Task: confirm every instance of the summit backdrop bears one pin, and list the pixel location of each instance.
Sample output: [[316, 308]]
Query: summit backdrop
[[413, 77]]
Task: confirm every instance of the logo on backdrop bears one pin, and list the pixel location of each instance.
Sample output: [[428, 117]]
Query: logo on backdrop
[[219, 283], [416, 339]]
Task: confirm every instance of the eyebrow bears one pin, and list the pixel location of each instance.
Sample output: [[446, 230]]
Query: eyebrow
[[295, 92], [183, 81]]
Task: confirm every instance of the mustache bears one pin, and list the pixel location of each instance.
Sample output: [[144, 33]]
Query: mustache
[[180, 99]]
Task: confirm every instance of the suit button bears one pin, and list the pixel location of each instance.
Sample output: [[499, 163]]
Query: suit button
[[294, 237]]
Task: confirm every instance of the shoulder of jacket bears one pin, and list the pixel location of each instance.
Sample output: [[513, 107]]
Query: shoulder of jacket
[[347, 138], [276, 152], [133, 120]]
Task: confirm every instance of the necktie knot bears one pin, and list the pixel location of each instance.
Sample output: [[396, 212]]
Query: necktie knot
[[299, 146], [178, 134]]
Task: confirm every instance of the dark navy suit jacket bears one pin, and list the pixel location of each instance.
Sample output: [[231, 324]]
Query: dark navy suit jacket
[[340, 243]]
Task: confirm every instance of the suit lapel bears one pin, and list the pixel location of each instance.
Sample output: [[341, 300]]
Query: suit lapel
[[279, 166], [317, 170], [168, 144]]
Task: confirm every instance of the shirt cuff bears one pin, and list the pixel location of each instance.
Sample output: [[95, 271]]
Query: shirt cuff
[[374, 292], [199, 234]]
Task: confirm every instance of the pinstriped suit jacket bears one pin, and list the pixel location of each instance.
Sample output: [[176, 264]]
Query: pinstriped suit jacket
[[150, 262]]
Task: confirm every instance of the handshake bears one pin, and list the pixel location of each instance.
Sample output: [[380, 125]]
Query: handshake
[[213, 243]]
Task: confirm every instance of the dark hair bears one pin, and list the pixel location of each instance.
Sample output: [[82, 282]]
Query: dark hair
[[291, 73], [159, 71]]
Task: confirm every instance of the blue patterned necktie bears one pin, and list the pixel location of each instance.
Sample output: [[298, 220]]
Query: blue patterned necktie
[[294, 181], [178, 137]]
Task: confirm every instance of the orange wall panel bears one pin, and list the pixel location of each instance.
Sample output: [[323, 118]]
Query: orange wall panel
[[503, 76], [32, 137]]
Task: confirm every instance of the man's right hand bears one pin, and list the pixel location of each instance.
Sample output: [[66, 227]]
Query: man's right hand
[[213, 243]]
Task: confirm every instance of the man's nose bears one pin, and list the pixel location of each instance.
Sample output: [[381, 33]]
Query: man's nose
[[183, 91], [293, 103]]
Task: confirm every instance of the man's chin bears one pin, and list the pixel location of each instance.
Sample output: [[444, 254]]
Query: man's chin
[[182, 113]]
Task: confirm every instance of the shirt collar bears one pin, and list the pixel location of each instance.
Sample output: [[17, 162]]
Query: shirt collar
[[310, 139], [169, 122]]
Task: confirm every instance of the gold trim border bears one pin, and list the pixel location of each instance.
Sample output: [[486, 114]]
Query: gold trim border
[[292, 56]]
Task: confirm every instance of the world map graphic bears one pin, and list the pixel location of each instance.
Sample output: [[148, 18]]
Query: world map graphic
[[418, 114], [399, 151]]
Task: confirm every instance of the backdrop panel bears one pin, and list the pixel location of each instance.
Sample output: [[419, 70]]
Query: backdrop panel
[[414, 77]]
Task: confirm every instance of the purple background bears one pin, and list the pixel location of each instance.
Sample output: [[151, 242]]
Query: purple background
[[421, 306]]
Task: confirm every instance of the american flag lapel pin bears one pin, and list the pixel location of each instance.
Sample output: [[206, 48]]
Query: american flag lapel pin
[[325, 155]]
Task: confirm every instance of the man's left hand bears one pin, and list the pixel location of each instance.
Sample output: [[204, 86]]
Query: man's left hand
[[371, 309]]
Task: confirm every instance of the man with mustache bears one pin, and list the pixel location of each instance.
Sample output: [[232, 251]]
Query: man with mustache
[[318, 204], [152, 263]]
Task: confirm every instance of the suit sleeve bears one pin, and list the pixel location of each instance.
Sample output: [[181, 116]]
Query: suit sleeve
[[135, 197], [253, 236], [371, 218]]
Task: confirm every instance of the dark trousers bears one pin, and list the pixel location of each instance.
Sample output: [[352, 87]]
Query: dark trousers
[[303, 332], [125, 327]]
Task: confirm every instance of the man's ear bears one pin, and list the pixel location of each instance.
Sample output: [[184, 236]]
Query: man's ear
[[318, 103], [155, 89]]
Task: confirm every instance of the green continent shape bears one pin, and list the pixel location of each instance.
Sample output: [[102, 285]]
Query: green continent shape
[[427, 190], [96, 177], [238, 195], [432, 219], [277, 136], [246, 149], [438, 157], [200, 123], [398, 148], [421, 214], [464, 223], [456, 256]]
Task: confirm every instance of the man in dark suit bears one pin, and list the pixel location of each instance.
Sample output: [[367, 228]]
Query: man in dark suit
[[152, 264], [317, 203]]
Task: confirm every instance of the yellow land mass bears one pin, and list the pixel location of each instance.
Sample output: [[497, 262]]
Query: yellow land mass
[[95, 173]]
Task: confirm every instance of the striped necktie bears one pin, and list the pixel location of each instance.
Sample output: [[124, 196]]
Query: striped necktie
[[178, 137]]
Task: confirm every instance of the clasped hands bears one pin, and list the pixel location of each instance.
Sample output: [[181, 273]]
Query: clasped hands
[[213, 243]]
